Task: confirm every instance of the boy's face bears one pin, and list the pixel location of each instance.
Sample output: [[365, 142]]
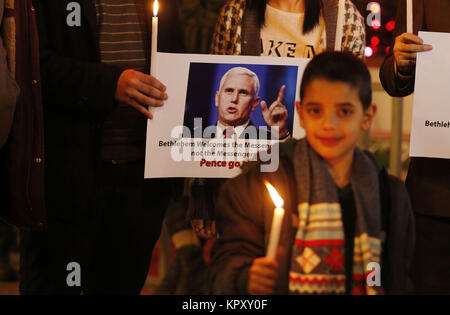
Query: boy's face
[[332, 115]]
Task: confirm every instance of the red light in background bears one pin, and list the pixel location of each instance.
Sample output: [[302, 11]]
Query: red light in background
[[390, 25], [375, 41], [387, 49], [376, 25]]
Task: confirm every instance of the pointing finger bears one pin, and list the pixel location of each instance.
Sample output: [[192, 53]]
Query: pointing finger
[[281, 94]]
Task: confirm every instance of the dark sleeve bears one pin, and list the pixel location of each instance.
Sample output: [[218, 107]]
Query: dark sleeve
[[240, 222], [400, 241], [203, 193], [390, 81], [75, 85], [9, 91], [244, 213]]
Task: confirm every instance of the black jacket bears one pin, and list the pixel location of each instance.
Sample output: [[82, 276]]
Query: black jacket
[[428, 180], [78, 92], [22, 158], [245, 213], [9, 91]]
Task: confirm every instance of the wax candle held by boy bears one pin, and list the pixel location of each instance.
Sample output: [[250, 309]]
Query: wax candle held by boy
[[276, 222]]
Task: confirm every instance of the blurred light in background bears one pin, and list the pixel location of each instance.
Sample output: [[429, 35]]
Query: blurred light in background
[[368, 52], [379, 17]]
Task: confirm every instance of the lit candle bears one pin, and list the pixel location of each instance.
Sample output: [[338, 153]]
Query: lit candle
[[409, 16], [276, 222], [154, 38], [339, 26]]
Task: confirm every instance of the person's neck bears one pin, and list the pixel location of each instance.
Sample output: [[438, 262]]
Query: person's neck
[[340, 170], [225, 125], [295, 6]]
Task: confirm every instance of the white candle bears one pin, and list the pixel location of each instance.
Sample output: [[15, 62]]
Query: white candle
[[275, 232], [276, 222], [339, 26], [154, 38], [409, 16]]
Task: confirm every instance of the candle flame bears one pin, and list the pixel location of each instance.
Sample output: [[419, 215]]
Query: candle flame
[[277, 200], [155, 8]]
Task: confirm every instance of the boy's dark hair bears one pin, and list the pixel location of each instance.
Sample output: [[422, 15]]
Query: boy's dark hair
[[341, 67], [312, 13]]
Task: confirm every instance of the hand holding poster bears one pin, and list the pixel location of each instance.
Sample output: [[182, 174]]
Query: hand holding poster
[[221, 111], [430, 132]]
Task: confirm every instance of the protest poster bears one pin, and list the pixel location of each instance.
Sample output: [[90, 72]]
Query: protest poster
[[430, 131], [188, 136]]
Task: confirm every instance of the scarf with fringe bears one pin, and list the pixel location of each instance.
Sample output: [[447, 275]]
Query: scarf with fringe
[[318, 254]]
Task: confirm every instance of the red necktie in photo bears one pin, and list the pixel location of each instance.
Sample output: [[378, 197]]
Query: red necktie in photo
[[228, 132]]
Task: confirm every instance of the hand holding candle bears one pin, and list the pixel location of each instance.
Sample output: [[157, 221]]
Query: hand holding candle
[[276, 222], [141, 91], [263, 273]]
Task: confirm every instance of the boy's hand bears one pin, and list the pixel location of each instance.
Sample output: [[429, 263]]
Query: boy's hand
[[406, 48], [263, 276], [277, 114], [139, 90]]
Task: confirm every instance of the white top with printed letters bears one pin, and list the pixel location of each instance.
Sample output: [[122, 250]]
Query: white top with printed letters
[[282, 35]]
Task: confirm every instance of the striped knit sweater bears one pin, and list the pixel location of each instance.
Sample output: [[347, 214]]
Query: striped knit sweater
[[122, 42]]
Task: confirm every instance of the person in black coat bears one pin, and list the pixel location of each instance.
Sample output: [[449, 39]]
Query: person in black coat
[[428, 178], [101, 213]]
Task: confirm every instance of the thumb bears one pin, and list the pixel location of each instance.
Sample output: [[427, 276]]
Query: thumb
[[264, 106]]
